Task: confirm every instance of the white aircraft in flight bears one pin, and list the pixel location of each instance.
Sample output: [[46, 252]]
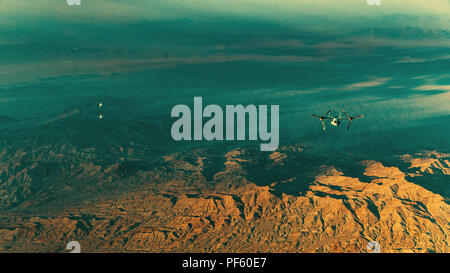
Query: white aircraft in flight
[[335, 121]]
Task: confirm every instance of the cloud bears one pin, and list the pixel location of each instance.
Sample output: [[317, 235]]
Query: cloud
[[366, 84], [32, 71], [423, 60], [433, 87]]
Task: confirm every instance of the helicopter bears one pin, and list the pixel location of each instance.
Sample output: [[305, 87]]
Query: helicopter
[[335, 121]]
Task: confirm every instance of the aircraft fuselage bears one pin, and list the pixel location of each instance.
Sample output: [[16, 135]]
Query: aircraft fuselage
[[335, 122]]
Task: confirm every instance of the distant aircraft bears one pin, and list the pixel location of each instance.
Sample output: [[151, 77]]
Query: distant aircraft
[[335, 121]]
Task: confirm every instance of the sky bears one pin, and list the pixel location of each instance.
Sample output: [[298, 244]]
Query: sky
[[388, 61], [113, 36], [126, 10]]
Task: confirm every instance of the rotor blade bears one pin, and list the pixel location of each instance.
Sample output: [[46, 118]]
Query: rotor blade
[[360, 116], [323, 124], [327, 113], [343, 111], [349, 122], [315, 116]]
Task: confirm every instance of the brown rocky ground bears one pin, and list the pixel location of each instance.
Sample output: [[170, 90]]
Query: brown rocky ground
[[244, 201]]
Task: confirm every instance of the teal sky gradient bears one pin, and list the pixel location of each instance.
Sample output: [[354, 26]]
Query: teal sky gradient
[[389, 61]]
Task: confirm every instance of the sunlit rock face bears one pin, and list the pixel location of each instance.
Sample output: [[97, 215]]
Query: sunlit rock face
[[429, 162], [248, 202]]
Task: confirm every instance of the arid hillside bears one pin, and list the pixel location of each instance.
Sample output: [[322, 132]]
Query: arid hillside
[[243, 201]]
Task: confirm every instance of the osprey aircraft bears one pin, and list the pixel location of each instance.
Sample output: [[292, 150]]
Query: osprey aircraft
[[335, 121]]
